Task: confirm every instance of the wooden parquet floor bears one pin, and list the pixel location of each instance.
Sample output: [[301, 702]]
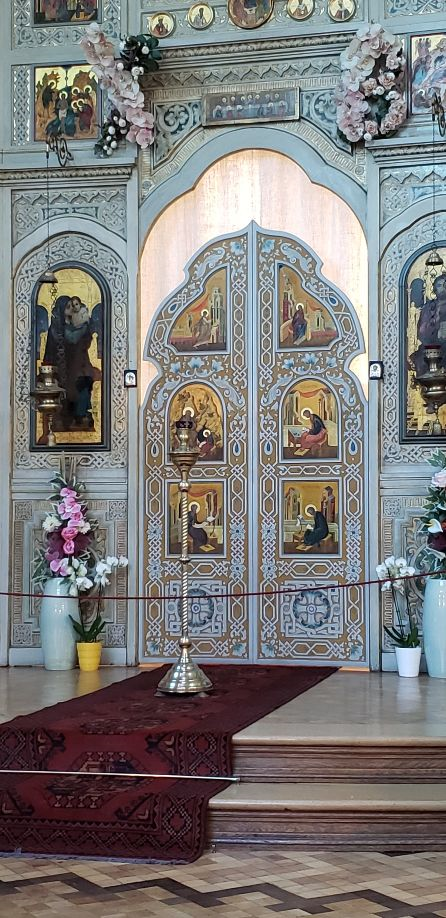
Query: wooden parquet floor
[[237, 883]]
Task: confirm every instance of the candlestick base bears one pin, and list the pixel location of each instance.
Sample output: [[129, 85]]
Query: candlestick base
[[185, 678]]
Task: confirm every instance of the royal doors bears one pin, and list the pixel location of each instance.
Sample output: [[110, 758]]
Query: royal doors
[[260, 346]]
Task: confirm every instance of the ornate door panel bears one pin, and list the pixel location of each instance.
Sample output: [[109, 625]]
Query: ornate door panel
[[312, 447], [198, 341], [259, 345]]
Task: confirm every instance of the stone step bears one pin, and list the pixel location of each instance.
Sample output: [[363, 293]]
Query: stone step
[[383, 817]]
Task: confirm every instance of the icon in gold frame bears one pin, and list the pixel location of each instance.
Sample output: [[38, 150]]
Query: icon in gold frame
[[161, 24], [200, 16], [300, 9], [341, 10], [250, 14]]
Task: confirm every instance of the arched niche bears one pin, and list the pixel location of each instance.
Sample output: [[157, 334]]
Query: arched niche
[[310, 421], [71, 331], [208, 415]]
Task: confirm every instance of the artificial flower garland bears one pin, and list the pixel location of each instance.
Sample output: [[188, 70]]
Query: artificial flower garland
[[121, 77], [370, 96]]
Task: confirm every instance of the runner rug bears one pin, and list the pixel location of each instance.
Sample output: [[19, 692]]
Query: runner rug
[[125, 728]]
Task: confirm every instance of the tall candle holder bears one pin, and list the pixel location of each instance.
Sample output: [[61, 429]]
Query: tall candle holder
[[185, 677]]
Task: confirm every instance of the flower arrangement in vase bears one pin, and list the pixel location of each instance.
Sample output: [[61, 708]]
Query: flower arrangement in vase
[[68, 564], [395, 573], [370, 95], [121, 78]]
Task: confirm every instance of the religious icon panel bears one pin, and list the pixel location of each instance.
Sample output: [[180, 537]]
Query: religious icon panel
[[303, 320], [341, 10], [205, 519], [208, 416], [310, 517], [200, 16], [202, 326], [249, 14], [423, 316], [70, 334], [66, 101], [428, 71], [300, 9], [310, 421], [56, 12], [161, 25]]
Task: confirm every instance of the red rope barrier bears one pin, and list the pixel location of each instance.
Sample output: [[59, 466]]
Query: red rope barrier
[[163, 597]]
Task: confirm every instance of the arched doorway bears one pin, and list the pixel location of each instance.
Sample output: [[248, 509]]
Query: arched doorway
[[269, 350]]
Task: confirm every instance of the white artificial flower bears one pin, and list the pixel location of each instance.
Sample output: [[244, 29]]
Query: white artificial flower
[[75, 563], [434, 526], [101, 580], [84, 583], [122, 561], [51, 523], [367, 136], [102, 568], [85, 526], [111, 561], [73, 590], [382, 571], [386, 586], [400, 562], [144, 49]]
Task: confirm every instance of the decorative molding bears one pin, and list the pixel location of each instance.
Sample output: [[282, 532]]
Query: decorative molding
[[404, 151], [26, 35], [86, 173], [87, 251], [399, 251], [174, 121], [235, 72], [271, 48], [400, 188], [21, 105], [354, 165], [105, 206], [413, 8]]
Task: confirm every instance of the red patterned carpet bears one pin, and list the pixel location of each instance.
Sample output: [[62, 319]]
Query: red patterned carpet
[[125, 728]]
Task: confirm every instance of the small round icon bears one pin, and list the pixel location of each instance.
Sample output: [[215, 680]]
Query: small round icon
[[300, 9], [161, 25], [341, 10], [200, 16]]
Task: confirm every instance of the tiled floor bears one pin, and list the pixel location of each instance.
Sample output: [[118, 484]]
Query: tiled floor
[[233, 883]]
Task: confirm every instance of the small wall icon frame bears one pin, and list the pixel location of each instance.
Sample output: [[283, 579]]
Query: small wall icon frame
[[376, 369], [130, 379]]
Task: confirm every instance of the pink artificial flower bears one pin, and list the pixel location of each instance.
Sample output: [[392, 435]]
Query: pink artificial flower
[[144, 138], [69, 547], [68, 492], [51, 554], [387, 79], [368, 86], [63, 512], [72, 507], [69, 533], [371, 128], [59, 567], [75, 518]]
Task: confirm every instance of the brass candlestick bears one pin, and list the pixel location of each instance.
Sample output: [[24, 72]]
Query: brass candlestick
[[185, 677], [47, 396]]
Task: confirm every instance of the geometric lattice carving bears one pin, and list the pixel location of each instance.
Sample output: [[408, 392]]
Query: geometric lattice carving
[[405, 245], [400, 188], [414, 8], [21, 105], [106, 206], [82, 249]]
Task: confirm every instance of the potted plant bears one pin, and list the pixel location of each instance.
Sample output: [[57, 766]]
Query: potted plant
[[89, 648], [434, 563], [395, 573], [66, 565]]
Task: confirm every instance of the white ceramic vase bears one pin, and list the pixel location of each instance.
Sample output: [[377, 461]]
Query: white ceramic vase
[[56, 630], [408, 661], [434, 627]]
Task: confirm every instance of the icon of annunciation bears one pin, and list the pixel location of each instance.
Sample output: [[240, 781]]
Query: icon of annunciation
[[304, 322], [423, 315], [310, 517], [310, 421], [208, 417], [69, 333], [66, 102], [202, 325], [205, 519]]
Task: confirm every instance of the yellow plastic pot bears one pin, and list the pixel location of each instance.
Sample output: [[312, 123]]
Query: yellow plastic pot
[[89, 655]]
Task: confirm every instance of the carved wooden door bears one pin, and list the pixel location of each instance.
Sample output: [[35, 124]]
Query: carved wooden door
[[259, 345]]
